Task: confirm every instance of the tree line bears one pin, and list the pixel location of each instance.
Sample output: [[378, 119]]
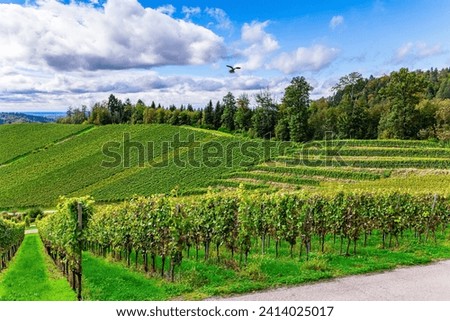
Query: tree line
[[403, 105]]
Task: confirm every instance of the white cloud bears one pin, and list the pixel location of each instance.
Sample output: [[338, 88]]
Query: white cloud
[[415, 51], [120, 34], [223, 21], [336, 21], [190, 12], [167, 9], [30, 91], [259, 44], [305, 59]]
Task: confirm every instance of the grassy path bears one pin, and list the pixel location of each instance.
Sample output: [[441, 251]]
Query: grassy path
[[111, 281], [32, 276]]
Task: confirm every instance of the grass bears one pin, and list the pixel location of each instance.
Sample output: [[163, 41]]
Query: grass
[[106, 279], [19, 140], [413, 183], [32, 276]]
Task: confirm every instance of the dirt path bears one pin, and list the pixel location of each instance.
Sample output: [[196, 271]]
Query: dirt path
[[419, 283]]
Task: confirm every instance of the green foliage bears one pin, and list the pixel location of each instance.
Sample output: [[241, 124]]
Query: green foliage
[[167, 227], [317, 171], [40, 178], [61, 234], [23, 139], [296, 102], [265, 116], [11, 236], [229, 111], [404, 91], [243, 116], [34, 213], [273, 178]]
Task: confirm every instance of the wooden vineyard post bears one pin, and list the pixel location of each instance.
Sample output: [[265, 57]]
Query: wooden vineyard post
[[80, 247]]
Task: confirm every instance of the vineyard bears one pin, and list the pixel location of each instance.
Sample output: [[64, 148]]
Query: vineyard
[[74, 166], [159, 233], [68, 160], [355, 165], [219, 214], [20, 140]]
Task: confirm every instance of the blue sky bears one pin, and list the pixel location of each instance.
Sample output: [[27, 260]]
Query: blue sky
[[58, 54]]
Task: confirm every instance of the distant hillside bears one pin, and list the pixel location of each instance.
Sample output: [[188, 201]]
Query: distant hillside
[[16, 118]]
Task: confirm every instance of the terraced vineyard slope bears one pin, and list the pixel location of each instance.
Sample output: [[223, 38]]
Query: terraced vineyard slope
[[115, 162], [415, 166]]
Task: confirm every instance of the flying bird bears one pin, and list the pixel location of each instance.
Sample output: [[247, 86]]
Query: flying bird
[[233, 69]]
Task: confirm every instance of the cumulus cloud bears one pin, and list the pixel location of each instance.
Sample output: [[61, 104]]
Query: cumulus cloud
[[221, 17], [190, 12], [259, 44], [119, 34], [312, 58], [167, 9], [336, 21], [30, 91], [416, 51]]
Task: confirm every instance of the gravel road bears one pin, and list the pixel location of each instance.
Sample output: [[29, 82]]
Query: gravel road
[[419, 283]]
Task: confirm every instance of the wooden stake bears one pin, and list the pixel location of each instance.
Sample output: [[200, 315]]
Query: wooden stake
[[80, 246]]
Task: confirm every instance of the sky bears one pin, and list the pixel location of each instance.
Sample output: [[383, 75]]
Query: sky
[[59, 54]]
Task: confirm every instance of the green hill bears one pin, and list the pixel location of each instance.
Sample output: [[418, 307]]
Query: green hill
[[21, 139], [40, 162], [46, 162]]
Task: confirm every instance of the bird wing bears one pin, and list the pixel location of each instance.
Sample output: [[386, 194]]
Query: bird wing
[[237, 67], [230, 66]]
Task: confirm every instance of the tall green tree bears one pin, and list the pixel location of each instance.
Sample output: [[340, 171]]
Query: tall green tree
[[229, 110], [296, 102], [265, 116], [352, 120], [444, 89], [116, 109], [218, 111], [208, 115], [243, 116], [403, 92], [282, 126]]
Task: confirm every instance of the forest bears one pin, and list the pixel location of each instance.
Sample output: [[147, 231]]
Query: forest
[[403, 105]]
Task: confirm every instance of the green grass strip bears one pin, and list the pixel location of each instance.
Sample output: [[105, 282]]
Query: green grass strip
[[235, 184], [273, 178], [382, 143], [377, 152], [373, 163], [108, 281], [314, 171], [32, 276]]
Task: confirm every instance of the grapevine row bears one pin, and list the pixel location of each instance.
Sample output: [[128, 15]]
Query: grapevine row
[[61, 235], [11, 236], [239, 222]]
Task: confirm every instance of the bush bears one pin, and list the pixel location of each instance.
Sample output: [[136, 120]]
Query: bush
[[34, 213]]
